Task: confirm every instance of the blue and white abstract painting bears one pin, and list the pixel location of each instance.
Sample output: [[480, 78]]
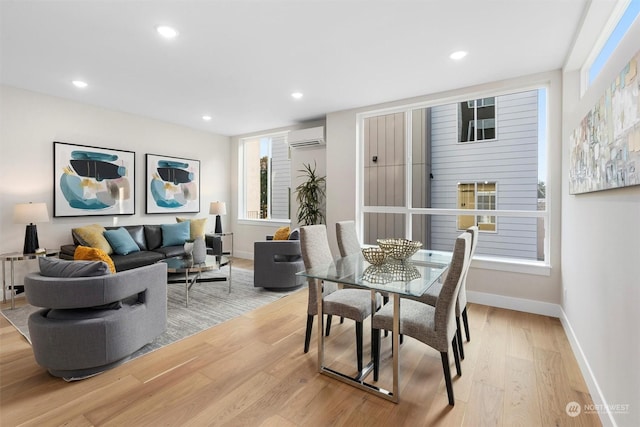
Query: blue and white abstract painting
[[93, 181], [173, 184]]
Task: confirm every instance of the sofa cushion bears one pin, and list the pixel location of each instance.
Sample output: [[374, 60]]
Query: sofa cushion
[[175, 234], [121, 241], [197, 226], [171, 251], [153, 235], [136, 259], [92, 235], [137, 233], [295, 235], [93, 254], [55, 267], [281, 233]]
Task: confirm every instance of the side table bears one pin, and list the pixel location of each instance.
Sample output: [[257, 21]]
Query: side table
[[221, 235], [12, 257]]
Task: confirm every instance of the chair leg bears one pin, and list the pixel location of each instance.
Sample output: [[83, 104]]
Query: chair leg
[[456, 357], [459, 338], [328, 325], [307, 337], [375, 349], [465, 320], [359, 345], [341, 320], [447, 376], [385, 299]]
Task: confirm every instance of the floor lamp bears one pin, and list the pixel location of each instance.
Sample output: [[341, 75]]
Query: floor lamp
[[217, 209], [30, 213]]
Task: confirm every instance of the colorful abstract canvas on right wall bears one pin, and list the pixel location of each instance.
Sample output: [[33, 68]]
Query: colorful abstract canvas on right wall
[[605, 148]]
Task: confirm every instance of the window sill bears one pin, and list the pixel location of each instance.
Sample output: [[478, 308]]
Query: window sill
[[538, 268], [265, 222]]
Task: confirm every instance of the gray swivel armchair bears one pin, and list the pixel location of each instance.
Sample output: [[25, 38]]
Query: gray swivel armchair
[[275, 264], [91, 324]]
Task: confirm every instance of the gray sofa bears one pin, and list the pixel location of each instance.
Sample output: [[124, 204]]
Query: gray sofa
[[149, 240], [91, 324], [275, 264]]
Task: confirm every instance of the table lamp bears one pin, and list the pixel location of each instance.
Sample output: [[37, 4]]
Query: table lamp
[[217, 209], [30, 213]]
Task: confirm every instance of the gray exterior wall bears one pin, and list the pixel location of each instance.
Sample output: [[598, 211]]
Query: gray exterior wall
[[511, 160], [280, 178]]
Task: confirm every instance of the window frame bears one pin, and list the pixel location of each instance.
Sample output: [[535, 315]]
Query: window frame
[[243, 181], [516, 265], [475, 119], [477, 207]]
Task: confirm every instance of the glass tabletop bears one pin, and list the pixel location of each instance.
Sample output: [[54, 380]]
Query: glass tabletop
[[412, 277], [19, 256], [186, 265]]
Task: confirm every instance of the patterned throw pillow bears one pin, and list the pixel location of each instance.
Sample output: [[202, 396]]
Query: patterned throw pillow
[[197, 226], [93, 254], [281, 233], [93, 236]]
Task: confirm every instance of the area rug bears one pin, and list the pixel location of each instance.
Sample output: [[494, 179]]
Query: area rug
[[210, 303]]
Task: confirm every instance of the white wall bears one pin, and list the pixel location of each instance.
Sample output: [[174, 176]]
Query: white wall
[[342, 185], [601, 259], [30, 122]]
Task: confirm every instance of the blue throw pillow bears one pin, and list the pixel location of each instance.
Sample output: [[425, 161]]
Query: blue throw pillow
[[175, 234], [121, 241]]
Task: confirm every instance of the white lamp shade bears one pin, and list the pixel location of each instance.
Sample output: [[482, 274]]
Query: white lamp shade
[[30, 213], [218, 208]]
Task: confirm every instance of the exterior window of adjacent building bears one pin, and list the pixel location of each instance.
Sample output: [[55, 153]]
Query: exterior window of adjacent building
[[266, 177], [479, 196], [477, 120]]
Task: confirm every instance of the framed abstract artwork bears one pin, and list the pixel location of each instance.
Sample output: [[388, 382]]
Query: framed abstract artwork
[[172, 184], [92, 181], [605, 147]]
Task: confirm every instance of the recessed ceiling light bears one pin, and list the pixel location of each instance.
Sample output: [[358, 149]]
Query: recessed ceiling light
[[458, 55], [166, 32], [297, 95], [206, 118], [79, 84]]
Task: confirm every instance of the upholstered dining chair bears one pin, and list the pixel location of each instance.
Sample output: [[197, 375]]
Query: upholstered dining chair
[[431, 296], [347, 237], [353, 304], [434, 326]]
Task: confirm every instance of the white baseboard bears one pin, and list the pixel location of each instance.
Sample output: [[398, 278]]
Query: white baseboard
[[552, 310], [243, 255], [518, 304]]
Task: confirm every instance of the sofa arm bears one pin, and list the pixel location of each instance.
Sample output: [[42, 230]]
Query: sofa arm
[[270, 248]]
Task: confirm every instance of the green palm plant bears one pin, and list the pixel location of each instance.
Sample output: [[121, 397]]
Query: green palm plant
[[310, 196]]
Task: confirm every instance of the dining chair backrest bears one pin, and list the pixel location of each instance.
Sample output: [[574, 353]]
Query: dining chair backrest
[[462, 294], [445, 325], [347, 236], [314, 245]]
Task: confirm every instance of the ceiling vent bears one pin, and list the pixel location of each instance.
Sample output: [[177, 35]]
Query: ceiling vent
[[310, 137]]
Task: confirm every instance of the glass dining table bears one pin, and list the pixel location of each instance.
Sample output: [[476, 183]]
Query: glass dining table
[[410, 278]]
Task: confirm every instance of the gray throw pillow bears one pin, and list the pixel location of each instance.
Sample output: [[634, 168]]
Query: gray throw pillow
[[55, 267]]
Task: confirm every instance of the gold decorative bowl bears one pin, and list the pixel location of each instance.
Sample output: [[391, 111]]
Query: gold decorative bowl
[[374, 256], [399, 249]]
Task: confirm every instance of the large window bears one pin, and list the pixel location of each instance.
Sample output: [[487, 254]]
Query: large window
[[420, 182], [266, 177]]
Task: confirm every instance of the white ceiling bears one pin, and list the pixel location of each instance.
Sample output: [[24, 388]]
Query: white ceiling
[[239, 60]]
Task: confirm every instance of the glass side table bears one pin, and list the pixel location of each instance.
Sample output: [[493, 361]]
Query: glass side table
[[222, 235], [12, 257]]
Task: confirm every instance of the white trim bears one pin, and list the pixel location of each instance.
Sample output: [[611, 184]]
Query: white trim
[[552, 310], [513, 265], [518, 304], [264, 222], [594, 389]]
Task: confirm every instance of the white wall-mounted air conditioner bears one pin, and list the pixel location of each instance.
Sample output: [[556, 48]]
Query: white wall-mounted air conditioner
[[311, 137]]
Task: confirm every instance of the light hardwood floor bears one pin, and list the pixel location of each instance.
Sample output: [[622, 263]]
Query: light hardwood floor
[[519, 370]]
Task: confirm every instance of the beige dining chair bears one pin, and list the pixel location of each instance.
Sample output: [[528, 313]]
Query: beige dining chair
[[353, 304], [434, 326], [431, 295], [347, 237]]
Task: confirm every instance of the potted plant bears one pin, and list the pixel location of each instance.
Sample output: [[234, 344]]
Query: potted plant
[[310, 196]]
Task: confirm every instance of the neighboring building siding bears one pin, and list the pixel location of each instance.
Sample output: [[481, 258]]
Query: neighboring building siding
[[280, 178], [510, 160]]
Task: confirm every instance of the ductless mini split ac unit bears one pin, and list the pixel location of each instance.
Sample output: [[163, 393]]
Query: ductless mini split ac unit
[[311, 137]]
